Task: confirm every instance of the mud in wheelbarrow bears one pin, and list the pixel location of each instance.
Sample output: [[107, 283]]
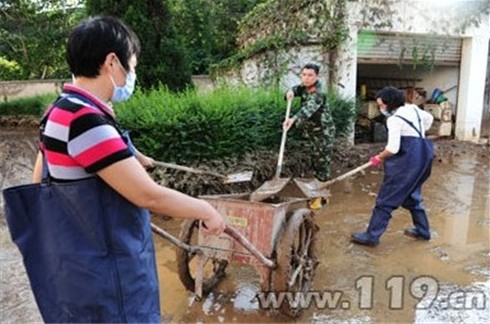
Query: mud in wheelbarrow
[[278, 239]]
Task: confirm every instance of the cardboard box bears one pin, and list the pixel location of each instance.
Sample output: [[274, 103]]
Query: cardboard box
[[440, 129], [447, 112], [370, 109], [435, 110], [445, 129], [442, 111]]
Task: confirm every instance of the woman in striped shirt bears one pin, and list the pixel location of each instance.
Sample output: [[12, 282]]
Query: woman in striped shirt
[[85, 153]]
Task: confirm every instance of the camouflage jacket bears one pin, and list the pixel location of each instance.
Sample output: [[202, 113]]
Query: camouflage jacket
[[314, 107]]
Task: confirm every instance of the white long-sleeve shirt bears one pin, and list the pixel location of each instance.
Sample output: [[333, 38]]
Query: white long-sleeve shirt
[[397, 127]]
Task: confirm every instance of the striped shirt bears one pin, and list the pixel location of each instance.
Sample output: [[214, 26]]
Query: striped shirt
[[80, 136]]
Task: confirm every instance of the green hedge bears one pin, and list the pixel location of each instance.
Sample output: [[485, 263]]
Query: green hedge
[[26, 106], [226, 122], [187, 127]]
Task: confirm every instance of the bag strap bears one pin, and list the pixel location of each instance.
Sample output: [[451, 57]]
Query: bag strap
[[46, 177], [419, 130]]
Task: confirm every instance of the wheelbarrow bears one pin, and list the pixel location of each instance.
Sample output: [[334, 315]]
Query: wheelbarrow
[[278, 239]]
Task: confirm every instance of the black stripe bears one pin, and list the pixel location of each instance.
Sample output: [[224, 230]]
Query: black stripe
[[55, 145], [68, 105], [115, 157], [68, 180], [85, 123]]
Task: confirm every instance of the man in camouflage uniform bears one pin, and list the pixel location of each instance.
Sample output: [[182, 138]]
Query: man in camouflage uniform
[[314, 119]]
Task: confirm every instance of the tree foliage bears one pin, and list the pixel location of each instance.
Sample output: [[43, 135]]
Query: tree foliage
[[209, 29], [32, 38], [162, 59], [178, 37]]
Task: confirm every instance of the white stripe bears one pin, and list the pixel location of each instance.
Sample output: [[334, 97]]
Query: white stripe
[[91, 138], [80, 102], [68, 173], [57, 131]]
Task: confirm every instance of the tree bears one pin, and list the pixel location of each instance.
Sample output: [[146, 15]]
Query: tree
[[33, 36], [209, 29], [162, 59]]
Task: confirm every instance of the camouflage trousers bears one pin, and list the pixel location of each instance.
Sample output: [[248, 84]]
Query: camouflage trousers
[[321, 143]]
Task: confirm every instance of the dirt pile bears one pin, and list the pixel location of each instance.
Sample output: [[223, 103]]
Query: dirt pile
[[19, 122], [297, 161]]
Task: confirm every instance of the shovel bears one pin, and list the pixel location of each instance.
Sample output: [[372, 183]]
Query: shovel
[[230, 178], [314, 188], [275, 185]]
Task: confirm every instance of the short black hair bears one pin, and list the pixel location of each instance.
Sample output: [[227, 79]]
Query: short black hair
[[312, 66], [94, 38], [392, 97]]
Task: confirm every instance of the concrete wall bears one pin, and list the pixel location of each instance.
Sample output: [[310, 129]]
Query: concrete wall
[[202, 83], [283, 67], [18, 89]]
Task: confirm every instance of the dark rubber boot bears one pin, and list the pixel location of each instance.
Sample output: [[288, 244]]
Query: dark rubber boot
[[364, 239]]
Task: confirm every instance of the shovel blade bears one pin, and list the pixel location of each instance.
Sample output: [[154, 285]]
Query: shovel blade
[[239, 177], [268, 189], [312, 188]]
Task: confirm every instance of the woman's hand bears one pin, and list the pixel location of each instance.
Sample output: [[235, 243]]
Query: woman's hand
[[146, 161], [214, 224], [376, 161]]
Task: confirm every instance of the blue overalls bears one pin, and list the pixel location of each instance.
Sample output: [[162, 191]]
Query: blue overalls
[[404, 174], [88, 252]]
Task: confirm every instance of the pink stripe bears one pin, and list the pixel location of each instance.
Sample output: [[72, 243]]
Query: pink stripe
[[61, 116], [55, 158], [100, 151], [64, 117]]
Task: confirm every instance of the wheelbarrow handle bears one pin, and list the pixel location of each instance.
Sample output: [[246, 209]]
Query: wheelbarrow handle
[[174, 240], [228, 230], [249, 246]]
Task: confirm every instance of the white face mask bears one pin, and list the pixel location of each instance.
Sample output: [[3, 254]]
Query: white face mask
[[386, 113], [123, 93]]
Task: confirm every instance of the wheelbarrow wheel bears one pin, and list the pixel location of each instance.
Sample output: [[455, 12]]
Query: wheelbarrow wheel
[[296, 259], [214, 269]]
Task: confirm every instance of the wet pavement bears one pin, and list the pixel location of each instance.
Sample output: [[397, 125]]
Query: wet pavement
[[401, 280]]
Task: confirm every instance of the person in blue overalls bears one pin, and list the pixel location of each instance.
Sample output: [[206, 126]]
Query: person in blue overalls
[[83, 227], [407, 160]]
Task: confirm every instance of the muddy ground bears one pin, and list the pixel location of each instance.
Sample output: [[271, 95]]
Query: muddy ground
[[456, 261]]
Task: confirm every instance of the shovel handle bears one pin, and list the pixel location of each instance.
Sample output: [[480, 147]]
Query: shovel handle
[[345, 175], [283, 143], [187, 169]]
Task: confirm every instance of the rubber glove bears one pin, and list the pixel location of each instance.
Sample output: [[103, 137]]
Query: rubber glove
[[375, 161]]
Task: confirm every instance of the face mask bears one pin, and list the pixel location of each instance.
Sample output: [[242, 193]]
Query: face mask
[[386, 113], [124, 92]]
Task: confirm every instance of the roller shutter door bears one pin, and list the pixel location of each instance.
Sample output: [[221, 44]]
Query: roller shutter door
[[394, 48]]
